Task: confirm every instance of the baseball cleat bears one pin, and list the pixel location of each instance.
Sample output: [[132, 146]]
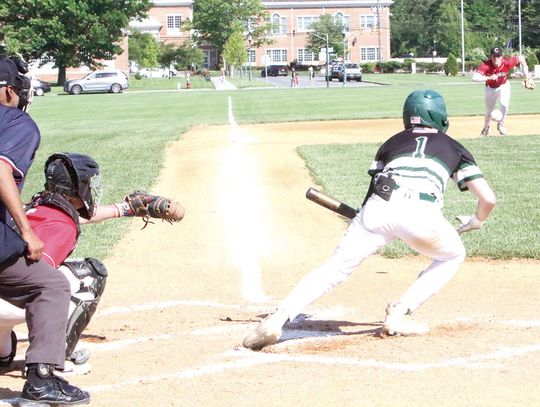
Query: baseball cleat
[[502, 129], [266, 333], [399, 322], [49, 389], [484, 132]]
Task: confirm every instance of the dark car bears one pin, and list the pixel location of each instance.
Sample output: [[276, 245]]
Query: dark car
[[275, 70], [40, 87]]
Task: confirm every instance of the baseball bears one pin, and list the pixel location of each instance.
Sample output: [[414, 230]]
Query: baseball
[[496, 115]]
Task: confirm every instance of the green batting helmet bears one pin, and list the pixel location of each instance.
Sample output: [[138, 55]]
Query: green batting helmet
[[425, 108]]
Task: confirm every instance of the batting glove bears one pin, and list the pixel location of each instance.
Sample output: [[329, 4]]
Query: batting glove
[[468, 223]]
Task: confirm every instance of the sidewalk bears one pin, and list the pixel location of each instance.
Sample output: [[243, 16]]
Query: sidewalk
[[225, 85]]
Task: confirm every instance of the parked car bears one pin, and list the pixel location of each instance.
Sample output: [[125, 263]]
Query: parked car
[[113, 81], [348, 71], [157, 72], [40, 87], [351, 72], [331, 65], [275, 70]]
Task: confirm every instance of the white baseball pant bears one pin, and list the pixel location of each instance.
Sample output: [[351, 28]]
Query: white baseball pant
[[420, 224], [490, 99]]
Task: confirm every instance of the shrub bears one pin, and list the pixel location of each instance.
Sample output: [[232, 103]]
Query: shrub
[[368, 67], [388, 66], [407, 63], [138, 76], [531, 58], [451, 66]]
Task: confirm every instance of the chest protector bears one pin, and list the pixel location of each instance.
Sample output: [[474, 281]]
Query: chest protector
[[57, 201]]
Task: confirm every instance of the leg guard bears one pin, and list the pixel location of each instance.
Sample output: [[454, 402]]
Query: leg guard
[[6, 361], [87, 278]]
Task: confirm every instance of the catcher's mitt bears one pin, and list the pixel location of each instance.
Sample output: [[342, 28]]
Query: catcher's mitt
[[529, 83], [148, 206]]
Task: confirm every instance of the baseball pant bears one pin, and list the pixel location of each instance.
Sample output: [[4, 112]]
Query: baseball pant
[[45, 294], [420, 224], [490, 99]]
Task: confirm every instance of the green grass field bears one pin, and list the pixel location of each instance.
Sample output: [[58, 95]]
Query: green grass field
[[127, 134]]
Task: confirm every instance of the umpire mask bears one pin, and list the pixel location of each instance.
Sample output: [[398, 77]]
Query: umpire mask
[[13, 72]]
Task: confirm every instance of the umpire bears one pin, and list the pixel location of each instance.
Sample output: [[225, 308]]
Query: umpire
[[26, 280]]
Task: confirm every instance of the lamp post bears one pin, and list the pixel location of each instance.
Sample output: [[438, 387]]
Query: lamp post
[[250, 38], [325, 38], [462, 41]]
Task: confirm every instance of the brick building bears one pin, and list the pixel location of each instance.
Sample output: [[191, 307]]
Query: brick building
[[366, 22]]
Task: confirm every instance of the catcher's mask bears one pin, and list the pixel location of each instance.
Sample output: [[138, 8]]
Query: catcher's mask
[[425, 108], [13, 72], [75, 175]]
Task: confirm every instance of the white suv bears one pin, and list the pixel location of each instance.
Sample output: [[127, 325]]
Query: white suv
[[113, 81], [348, 71]]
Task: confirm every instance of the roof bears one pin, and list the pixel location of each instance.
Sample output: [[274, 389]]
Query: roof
[[325, 3]]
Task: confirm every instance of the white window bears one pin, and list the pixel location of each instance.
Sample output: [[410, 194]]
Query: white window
[[304, 22], [343, 19], [277, 56], [251, 56], [305, 56], [279, 24], [174, 23], [368, 22], [369, 54]]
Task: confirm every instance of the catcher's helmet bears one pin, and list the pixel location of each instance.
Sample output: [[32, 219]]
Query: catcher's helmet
[[425, 108], [75, 175]]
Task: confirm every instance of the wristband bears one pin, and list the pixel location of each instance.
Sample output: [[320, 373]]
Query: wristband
[[123, 209]]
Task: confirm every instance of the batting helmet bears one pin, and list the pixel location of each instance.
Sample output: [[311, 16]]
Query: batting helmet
[[425, 108], [75, 175]]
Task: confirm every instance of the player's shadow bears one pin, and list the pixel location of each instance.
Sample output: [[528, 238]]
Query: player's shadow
[[304, 327], [6, 393]]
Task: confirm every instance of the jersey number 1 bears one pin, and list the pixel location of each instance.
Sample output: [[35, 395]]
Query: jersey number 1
[[420, 147]]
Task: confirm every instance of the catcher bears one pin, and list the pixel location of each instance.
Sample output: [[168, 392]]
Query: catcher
[[71, 198]]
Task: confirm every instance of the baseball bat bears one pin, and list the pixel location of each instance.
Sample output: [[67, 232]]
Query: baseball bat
[[330, 203]]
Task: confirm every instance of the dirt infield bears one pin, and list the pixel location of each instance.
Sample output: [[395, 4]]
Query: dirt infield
[[180, 298]]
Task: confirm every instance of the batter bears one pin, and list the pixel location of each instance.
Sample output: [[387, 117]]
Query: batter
[[409, 176]]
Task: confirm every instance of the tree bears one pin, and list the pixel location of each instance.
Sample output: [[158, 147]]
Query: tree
[[530, 21], [168, 55], [449, 30], [69, 32], [235, 53], [316, 38], [189, 55], [143, 49], [414, 26], [216, 20]]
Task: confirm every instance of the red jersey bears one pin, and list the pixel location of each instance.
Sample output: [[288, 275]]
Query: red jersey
[[57, 231], [488, 69]]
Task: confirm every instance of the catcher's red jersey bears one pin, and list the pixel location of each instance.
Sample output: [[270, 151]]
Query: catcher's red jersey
[[488, 69], [57, 231]]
